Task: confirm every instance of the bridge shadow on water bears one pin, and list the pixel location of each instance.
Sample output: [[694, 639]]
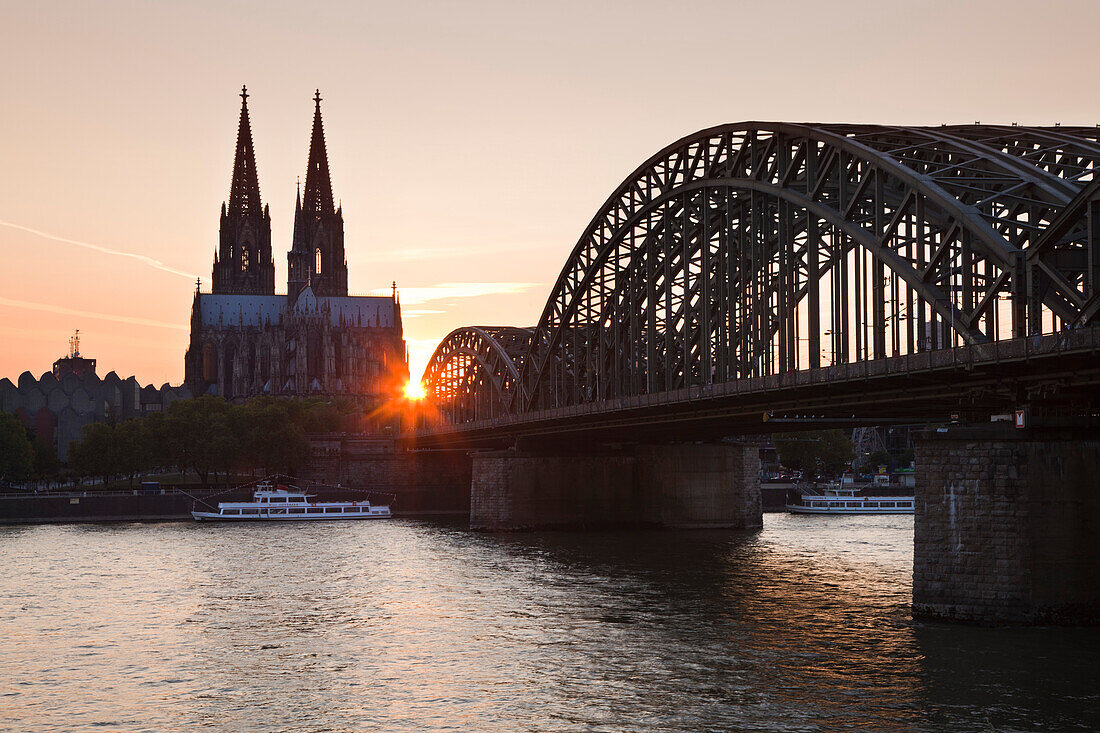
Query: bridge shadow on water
[[804, 625]]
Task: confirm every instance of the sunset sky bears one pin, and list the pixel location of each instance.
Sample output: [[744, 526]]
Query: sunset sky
[[470, 142]]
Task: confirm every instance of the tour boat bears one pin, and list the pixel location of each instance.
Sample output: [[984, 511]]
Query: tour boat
[[283, 503], [834, 500]]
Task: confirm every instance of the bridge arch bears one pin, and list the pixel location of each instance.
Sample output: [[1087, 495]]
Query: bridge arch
[[474, 374], [759, 248], [895, 225]]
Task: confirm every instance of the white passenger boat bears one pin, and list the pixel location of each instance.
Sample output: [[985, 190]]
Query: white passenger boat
[[287, 503], [834, 500]]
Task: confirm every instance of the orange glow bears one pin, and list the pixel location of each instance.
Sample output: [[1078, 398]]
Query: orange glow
[[414, 391]]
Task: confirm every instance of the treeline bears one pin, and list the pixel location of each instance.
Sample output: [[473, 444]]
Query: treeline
[[22, 455], [207, 437], [816, 452]]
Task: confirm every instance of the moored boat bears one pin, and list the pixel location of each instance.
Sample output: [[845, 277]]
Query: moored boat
[[835, 500], [288, 503]]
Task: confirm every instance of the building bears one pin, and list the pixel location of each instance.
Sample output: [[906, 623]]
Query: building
[[58, 405], [74, 363], [246, 340]]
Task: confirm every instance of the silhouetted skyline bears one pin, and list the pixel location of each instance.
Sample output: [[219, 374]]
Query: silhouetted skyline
[[470, 143]]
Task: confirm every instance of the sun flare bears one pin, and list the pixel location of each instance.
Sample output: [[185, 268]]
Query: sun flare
[[414, 391]]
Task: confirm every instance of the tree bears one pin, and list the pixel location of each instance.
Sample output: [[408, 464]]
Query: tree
[[797, 451], [272, 439], [835, 451], [97, 453], [208, 436], [129, 443], [16, 450], [907, 457], [154, 441], [824, 451], [198, 432], [46, 463], [876, 459]]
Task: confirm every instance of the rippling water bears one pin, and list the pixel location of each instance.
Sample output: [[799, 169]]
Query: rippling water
[[404, 625]]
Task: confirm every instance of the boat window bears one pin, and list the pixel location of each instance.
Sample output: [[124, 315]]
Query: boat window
[[851, 503], [292, 510], [231, 511], [332, 510], [870, 503], [886, 503], [278, 500]]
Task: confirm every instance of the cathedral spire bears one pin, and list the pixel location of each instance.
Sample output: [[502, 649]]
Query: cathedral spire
[[244, 192], [316, 258], [318, 194], [242, 262]]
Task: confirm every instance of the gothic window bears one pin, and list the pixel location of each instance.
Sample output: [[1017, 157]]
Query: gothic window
[[315, 357], [244, 260], [317, 254], [229, 358], [209, 364]]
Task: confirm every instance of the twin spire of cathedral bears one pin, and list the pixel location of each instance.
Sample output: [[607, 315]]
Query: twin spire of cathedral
[[318, 199], [243, 263], [244, 192]]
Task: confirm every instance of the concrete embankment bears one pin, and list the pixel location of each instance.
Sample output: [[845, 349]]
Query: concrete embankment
[[171, 505], [97, 507]]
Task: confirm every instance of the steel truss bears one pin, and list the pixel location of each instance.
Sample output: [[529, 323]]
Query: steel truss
[[474, 372], [754, 249]]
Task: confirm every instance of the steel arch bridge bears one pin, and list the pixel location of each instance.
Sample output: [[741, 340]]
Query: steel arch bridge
[[757, 249]]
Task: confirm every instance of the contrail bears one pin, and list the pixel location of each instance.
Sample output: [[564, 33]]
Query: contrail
[[90, 314], [106, 250]]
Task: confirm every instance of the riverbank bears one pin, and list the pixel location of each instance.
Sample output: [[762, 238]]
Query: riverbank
[[170, 504]]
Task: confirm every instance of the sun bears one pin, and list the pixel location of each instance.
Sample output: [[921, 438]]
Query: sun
[[414, 391]]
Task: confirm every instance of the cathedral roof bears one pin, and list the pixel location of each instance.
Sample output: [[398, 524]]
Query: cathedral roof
[[256, 310], [244, 191]]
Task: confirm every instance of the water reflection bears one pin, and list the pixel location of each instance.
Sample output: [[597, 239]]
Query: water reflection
[[402, 625]]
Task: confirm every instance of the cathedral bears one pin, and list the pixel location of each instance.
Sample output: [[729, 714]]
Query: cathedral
[[314, 341]]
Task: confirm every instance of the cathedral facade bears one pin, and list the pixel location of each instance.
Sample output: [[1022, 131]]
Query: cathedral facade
[[315, 340]]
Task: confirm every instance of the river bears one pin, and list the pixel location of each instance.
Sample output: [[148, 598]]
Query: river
[[423, 626]]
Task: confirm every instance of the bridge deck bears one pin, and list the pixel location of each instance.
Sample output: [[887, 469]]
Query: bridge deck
[[923, 386]]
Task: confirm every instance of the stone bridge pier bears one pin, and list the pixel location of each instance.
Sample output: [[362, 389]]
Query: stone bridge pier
[[685, 485], [1007, 525]]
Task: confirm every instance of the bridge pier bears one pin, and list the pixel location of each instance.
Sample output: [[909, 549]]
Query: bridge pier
[[1006, 526], [677, 485]]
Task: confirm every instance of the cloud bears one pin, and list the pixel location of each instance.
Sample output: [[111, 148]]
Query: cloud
[[446, 291], [98, 248], [457, 250], [91, 314], [417, 312]]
